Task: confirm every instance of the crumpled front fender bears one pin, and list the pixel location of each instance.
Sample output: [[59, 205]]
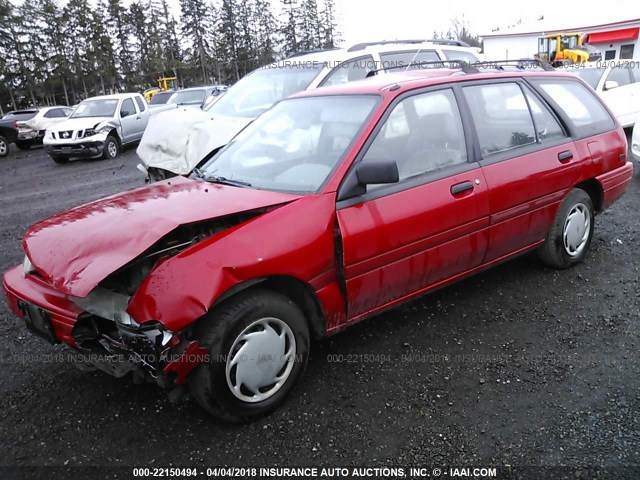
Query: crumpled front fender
[[296, 240]]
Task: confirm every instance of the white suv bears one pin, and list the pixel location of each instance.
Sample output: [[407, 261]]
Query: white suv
[[177, 141]]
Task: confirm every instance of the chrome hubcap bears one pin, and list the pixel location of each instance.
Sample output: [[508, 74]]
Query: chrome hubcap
[[113, 149], [261, 360], [3, 147], [577, 227]]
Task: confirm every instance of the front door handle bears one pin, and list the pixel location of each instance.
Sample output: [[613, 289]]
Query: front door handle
[[459, 188], [565, 156]]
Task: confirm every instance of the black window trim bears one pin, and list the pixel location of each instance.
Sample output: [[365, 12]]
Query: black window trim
[[575, 132], [418, 180], [519, 150]]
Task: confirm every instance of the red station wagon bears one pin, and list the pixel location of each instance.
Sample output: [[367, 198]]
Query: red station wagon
[[334, 205]]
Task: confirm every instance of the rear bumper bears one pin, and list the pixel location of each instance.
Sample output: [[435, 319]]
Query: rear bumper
[[84, 149], [614, 183], [22, 290], [25, 135]]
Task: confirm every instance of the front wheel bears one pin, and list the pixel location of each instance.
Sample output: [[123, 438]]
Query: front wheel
[[111, 148], [258, 344], [569, 238]]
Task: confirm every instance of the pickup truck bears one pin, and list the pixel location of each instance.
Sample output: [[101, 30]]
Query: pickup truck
[[8, 135], [98, 128]]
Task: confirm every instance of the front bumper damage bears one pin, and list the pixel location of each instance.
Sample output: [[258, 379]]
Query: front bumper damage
[[87, 147], [101, 333]]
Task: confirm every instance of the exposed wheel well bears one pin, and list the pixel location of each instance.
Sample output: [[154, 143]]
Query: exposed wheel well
[[297, 291], [594, 190], [114, 133]]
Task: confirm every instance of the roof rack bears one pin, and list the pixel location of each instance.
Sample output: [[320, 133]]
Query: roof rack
[[519, 64], [362, 46], [452, 43], [307, 52], [437, 41], [466, 67]]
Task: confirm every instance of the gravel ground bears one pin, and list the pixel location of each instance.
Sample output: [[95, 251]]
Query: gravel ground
[[521, 365]]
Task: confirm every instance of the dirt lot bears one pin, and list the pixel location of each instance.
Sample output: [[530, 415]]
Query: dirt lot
[[521, 365]]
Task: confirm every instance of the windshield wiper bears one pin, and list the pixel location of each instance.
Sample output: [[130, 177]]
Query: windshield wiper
[[226, 181], [198, 173]]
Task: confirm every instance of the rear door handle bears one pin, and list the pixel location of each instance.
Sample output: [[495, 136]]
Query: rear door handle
[[459, 188], [565, 156]]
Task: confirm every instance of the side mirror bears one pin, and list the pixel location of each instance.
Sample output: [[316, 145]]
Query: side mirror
[[369, 173], [124, 113], [610, 84], [372, 172]]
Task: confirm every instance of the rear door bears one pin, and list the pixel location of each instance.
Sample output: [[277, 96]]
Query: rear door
[[528, 159], [432, 225], [143, 116]]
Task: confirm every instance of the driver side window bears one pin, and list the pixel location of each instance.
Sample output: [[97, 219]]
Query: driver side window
[[423, 134], [127, 108]]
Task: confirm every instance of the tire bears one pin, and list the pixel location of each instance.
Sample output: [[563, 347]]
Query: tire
[[24, 144], [569, 238], [59, 159], [111, 148], [279, 330], [4, 147]]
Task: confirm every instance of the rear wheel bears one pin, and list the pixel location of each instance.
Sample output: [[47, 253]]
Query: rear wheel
[[569, 238], [24, 144], [111, 148], [258, 344], [4, 147], [59, 159]]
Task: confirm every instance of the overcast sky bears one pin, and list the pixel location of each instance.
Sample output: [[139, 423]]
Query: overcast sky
[[362, 20], [366, 20]]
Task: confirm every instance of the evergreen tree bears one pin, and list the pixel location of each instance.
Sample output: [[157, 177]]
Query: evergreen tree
[[289, 27], [197, 20]]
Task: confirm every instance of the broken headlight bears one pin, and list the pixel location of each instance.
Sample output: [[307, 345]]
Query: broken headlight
[[27, 266]]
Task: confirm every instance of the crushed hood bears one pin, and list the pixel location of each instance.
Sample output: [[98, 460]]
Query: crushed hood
[[177, 140], [77, 249], [79, 123]]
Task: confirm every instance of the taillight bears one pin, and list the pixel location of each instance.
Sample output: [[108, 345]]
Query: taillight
[[15, 124]]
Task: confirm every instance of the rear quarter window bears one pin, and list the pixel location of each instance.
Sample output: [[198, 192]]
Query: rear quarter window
[[580, 105]]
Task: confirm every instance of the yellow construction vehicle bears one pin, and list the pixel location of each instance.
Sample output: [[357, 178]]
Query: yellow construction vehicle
[[164, 84], [565, 48]]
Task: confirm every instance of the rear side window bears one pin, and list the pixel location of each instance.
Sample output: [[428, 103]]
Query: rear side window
[[619, 75], [580, 105], [53, 113], [460, 55], [501, 115], [547, 126], [140, 103], [355, 69], [397, 60]]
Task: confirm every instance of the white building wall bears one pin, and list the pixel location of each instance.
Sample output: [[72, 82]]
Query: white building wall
[[525, 45], [510, 48]]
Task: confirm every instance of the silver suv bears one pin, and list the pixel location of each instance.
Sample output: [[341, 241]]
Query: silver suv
[[176, 142]]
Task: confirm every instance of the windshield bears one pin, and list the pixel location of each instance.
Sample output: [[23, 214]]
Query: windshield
[[294, 146], [256, 92], [590, 75], [160, 98], [188, 97], [96, 108]]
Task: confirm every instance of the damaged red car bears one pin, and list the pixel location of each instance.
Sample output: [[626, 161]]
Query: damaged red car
[[334, 205]]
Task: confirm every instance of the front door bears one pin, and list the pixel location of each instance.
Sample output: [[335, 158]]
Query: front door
[[400, 239]]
